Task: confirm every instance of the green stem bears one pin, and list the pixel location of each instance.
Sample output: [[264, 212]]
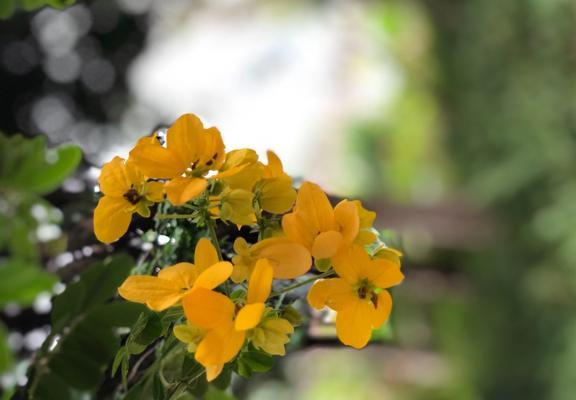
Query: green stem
[[302, 283], [212, 231], [174, 216]]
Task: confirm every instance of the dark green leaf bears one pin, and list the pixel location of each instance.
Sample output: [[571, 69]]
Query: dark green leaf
[[96, 285], [6, 8], [84, 353], [257, 361], [224, 379], [147, 329], [52, 387], [193, 373], [158, 391]]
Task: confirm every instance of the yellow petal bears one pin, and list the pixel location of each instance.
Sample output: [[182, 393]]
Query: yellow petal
[[335, 293], [180, 190], [249, 316], [296, 229], [347, 264], [365, 237], [237, 207], [384, 273], [326, 244], [241, 271], [279, 325], [260, 282], [272, 335], [238, 157], [185, 138], [158, 294], [213, 371], [220, 346], [205, 254], [383, 308], [111, 218], [181, 275], [289, 260], [388, 253], [354, 323], [241, 246], [245, 178], [214, 150], [154, 191], [318, 293], [207, 309], [214, 275], [113, 180], [346, 215], [156, 161], [274, 168], [367, 217], [277, 195], [312, 203]]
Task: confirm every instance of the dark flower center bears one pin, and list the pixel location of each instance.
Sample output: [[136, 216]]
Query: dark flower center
[[132, 196]]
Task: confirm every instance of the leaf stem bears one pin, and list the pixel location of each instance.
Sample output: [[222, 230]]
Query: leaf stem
[[302, 283]]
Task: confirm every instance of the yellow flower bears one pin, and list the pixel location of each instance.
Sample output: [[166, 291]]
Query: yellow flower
[[236, 206], [126, 191], [358, 295], [225, 323], [172, 283], [271, 335], [191, 152], [251, 169], [275, 193], [288, 259], [320, 228]]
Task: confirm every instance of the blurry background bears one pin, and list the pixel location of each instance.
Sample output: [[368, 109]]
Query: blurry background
[[455, 120]]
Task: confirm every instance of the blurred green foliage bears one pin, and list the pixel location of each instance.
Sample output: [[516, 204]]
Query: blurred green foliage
[[8, 7], [28, 170], [507, 93]]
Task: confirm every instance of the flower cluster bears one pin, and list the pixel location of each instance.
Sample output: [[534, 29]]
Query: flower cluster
[[233, 302]]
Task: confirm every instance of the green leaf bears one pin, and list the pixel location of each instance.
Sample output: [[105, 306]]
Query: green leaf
[[26, 165], [121, 355], [96, 285], [6, 8], [217, 394], [223, 380], [158, 390], [21, 282], [5, 352], [52, 387], [66, 160], [193, 373], [257, 361], [84, 353], [147, 329]]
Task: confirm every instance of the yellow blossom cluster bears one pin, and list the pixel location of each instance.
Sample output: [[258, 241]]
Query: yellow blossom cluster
[[227, 298]]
